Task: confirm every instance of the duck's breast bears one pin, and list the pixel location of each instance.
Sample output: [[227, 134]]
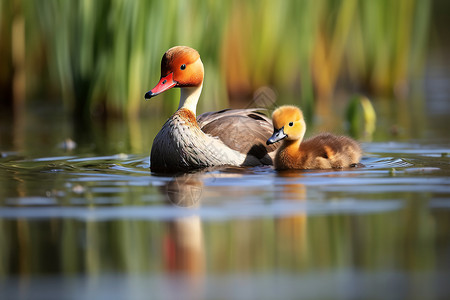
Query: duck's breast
[[181, 146]]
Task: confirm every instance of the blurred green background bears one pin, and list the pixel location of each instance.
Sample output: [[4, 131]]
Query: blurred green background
[[100, 57], [77, 71]]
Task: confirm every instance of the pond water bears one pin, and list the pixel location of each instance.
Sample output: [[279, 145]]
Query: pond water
[[102, 227], [93, 223], [79, 227]]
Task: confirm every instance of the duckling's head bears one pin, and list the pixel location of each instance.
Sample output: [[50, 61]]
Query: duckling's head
[[181, 66], [288, 123]]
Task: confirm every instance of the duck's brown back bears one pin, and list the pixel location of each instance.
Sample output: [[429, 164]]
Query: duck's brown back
[[243, 130]]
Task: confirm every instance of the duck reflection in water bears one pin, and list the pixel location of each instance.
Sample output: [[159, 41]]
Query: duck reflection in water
[[185, 190], [184, 250]]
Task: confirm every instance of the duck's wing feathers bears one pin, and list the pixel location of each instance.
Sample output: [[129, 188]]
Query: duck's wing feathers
[[244, 130]]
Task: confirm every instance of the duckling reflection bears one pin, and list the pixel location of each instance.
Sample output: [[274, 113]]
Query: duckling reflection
[[183, 245], [293, 229], [292, 189]]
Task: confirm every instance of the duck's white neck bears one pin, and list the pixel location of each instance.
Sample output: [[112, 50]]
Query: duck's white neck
[[189, 97]]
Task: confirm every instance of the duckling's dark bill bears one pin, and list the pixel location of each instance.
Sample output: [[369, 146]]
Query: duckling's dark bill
[[278, 135]]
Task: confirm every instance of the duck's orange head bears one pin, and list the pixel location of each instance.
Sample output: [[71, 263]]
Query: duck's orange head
[[181, 66], [288, 123]]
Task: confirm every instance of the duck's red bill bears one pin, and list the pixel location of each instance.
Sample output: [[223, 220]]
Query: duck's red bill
[[164, 84]]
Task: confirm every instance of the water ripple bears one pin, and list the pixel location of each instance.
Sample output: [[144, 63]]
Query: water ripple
[[223, 212]]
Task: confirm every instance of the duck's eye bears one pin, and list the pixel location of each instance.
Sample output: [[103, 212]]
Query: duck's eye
[[291, 124], [183, 66]]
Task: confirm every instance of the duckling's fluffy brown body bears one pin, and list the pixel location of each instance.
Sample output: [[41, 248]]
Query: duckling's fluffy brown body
[[324, 151]]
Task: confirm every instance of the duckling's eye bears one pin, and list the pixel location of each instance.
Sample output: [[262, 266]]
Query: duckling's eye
[[183, 66], [291, 124]]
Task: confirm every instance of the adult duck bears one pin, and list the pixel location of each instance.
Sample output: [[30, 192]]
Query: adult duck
[[223, 138], [323, 151]]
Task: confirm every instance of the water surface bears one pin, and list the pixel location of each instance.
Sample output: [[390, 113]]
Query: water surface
[[102, 227]]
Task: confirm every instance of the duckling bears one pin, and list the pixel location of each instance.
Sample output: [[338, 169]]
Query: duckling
[[324, 151]]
